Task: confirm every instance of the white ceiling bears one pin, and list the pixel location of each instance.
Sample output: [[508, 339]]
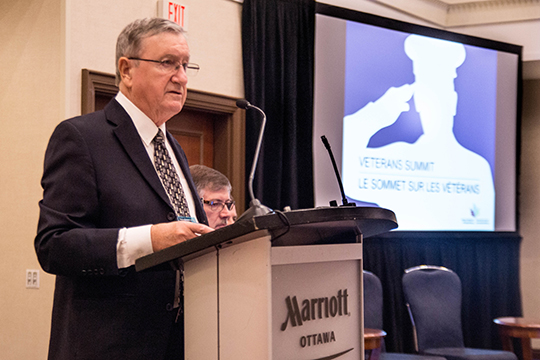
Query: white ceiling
[[455, 13]]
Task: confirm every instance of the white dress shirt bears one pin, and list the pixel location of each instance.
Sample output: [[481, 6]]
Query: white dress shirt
[[135, 242]]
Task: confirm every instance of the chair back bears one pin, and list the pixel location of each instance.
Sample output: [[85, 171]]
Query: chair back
[[373, 301], [433, 296]]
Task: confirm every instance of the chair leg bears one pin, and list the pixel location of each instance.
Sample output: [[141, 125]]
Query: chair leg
[[375, 353], [506, 341]]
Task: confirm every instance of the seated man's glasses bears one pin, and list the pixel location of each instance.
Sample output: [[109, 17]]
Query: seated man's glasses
[[218, 205]]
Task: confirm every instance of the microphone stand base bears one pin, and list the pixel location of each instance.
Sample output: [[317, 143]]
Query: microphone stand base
[[255, 209]]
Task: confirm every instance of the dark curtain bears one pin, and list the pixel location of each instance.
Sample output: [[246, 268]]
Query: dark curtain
[[487, 264], [278, 56], [278, 47]]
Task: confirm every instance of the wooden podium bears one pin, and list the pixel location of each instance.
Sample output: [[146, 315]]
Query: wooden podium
[[287, 285]]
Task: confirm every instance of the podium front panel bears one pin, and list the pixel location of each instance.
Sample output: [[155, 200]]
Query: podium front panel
[[244, 300], [317, 302], [228, 302], [201, 308]]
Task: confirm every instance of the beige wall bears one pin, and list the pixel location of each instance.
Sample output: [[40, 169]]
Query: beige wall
[[31, 102], [44, 44]]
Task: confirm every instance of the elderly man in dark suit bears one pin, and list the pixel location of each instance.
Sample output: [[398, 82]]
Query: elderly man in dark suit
[[117, 186]]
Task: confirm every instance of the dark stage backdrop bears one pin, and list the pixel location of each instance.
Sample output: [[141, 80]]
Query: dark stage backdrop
[[278, 45]]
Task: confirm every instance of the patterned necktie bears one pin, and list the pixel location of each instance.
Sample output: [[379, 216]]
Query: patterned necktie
[[169, 176]]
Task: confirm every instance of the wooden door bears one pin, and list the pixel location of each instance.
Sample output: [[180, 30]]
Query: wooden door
[[194, 130]]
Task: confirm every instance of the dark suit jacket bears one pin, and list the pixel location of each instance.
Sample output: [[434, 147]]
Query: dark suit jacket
[[97, 179]]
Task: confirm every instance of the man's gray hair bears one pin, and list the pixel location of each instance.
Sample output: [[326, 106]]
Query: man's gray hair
[[129, 41], [206, 178]]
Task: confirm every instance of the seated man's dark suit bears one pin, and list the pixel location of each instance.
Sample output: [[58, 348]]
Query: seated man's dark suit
[[97, 179]]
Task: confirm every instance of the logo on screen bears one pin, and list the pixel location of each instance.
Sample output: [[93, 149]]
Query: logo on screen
[[474, 211]]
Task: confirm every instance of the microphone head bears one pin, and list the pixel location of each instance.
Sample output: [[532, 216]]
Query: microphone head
[[242, 104], [325, 142]]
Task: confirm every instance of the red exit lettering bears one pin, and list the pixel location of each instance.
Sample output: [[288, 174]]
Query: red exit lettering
[[176, 13]]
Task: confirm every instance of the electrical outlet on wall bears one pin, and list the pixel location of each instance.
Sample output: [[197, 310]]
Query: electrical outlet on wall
[[32, 279]]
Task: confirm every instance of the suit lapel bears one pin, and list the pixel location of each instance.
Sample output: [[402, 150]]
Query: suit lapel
[[131, 142]]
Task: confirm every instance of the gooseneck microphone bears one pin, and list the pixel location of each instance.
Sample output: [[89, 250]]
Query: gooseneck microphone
[[255, 207], [336, 171]]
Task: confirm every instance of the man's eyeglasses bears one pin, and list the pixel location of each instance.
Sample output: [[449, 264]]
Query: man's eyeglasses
[[172, 66], [218, 205]]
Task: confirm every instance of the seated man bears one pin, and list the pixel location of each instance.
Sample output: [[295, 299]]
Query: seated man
[[215, 191]]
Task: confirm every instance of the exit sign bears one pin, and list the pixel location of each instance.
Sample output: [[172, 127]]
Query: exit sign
[[173, 11]]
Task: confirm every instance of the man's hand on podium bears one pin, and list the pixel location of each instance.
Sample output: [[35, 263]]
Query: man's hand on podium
[[168, 234]]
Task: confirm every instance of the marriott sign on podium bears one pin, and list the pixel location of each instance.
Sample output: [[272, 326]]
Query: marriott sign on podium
[[316, 308]]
